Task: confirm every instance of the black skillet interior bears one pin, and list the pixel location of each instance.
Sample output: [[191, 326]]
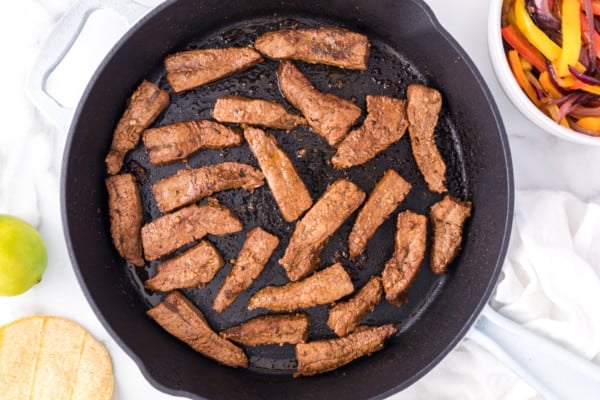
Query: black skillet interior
[[407, 46]]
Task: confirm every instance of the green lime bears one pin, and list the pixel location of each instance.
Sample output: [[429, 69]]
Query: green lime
[[23, 256]]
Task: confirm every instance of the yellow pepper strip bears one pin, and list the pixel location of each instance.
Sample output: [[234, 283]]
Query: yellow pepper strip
[[593, 89], [535, 35], [515, 64], [548, 86], [526, 64], [571, 33], [553, 111], [590, 123]]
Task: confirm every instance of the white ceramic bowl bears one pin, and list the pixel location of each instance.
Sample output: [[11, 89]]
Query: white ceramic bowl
[[514, 92]]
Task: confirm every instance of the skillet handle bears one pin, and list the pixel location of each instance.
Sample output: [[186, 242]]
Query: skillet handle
[[58, 45], [548, 367]]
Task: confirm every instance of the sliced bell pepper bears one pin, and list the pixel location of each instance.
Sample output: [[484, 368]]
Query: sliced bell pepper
[[517, 69], [548, 86], [518, 42], [593, 89], [571, 34], [596, 7], [586, 36], [590, 123], [535, 35]]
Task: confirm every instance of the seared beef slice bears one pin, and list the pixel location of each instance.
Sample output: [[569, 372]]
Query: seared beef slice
[[401, 269], [270, 329], [448, 217], [328, 115], [145, 105], [333, 46], [243, 110], [423, 108], [287, 187], [385, 124], [344, 317], [172, 231], [192, 268], [178, 316], [126, 217], [322, 287], [303, 253], [176, 141], [190, 185], [389, 192], [253, 257], [326, 355], [190, 69]]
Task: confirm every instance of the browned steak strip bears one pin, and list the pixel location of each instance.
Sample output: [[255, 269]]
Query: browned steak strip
[[389, 192], [287, 187], [172, 231], [243, 110], [190, 185], [402, 268], [329, 354], [344, 317], [190, 69], [270, 329], [192, 268], [338, 202], [178, 316], [126, 217], [145, 105], [448, 217], [385, 124], [332, 46], [328, 115], [322, 287], [423, 108], [176, 141], [255, 253]]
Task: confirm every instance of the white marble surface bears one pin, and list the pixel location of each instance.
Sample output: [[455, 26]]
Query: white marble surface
[[30, 151]]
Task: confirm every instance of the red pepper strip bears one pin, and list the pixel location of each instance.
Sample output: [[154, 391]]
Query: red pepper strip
[[518, 42], [590, 123], [586, 36], [596, 7], [517, 69]]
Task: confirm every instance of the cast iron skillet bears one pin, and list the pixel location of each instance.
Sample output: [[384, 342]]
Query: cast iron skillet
[[408, 46]]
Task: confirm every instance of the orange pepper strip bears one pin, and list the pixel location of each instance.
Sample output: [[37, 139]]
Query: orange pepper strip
[[517, 69], [518, 42], [548, 86], [590, 123]]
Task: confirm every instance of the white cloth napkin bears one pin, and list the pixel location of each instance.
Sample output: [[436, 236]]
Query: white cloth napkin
[[550, 284]]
